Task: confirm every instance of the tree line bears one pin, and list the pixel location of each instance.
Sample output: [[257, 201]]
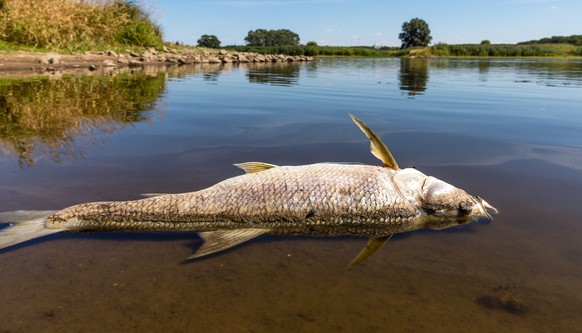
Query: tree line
[[415, 33], [258, 37]]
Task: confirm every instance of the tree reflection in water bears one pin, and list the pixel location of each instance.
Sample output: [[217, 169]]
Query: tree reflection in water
[[279, 74], [44, 118], [413, 76]]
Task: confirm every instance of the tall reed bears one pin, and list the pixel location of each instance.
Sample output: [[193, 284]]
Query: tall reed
[[506, 50], [77, 24]]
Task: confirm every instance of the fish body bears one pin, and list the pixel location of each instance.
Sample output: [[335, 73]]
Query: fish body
[[324, 199]]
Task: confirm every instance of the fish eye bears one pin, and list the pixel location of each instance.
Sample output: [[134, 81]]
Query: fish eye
[[463, 211], [428, 210]]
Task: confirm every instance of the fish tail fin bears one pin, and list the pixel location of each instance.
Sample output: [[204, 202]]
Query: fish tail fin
[[24, 225]]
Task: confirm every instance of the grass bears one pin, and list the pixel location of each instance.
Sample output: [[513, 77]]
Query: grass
[[440, 49], [301, 50], [11, 47], [76, 24], [506, 50]]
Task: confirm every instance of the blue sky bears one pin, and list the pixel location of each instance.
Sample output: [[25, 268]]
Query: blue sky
[[369, 22]]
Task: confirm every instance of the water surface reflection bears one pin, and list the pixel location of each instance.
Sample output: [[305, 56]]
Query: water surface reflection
[[283, 74], [46, 118], [413, 76]]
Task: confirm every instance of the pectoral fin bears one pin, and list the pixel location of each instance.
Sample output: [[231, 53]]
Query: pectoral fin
[[374, 244], [215, 241], [377, 147], [252, 167]]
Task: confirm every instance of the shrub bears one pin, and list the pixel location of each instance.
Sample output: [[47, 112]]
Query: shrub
[[210, 41]]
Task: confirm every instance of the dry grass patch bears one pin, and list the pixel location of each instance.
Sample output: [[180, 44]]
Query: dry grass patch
[[77, 24]]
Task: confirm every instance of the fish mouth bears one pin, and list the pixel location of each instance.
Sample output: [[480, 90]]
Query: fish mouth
[[485, 209]]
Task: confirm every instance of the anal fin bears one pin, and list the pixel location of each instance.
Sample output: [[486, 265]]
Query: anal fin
[[215, 241], [374, 244]]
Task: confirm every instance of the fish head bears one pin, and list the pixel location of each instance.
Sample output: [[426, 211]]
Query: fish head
[[442, 204]]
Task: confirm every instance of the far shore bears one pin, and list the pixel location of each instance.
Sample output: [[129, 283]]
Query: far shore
[[15, 63]]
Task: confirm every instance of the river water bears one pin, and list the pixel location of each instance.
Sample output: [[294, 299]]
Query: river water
[[509, 130]]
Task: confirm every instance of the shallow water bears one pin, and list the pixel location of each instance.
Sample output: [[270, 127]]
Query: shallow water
[[508, 130]]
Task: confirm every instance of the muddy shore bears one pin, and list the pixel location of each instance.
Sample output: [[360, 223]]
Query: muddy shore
[[35, 62]]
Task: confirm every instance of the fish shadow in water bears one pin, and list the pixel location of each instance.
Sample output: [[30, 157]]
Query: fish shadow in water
[[465, 229], [194, 241]]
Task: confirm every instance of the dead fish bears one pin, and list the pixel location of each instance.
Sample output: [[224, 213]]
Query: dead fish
[[323, 199]]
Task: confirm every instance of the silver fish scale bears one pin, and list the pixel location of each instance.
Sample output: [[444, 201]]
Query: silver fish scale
[[318, 199]]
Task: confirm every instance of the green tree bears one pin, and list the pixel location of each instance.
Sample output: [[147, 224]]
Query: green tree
[[311, 43], [415, 33], [262, 37], [210, 41], [485, 42]]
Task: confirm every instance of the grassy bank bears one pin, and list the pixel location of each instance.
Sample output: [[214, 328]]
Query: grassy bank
[[76, 24], [506, 50], [440, 50]]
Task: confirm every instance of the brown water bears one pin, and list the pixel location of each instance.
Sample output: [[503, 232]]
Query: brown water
[[508, 130]]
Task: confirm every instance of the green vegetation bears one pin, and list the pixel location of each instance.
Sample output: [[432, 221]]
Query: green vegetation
[[574, 40], [505, 50], [281, 37], [439, 50], [415, 33], [8, 47], [44, 118], [312, 51], [77, 24], [209, 41]]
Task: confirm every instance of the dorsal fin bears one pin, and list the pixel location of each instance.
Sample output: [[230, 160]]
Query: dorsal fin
[[377, 147], [252, 167], [374, 244]]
